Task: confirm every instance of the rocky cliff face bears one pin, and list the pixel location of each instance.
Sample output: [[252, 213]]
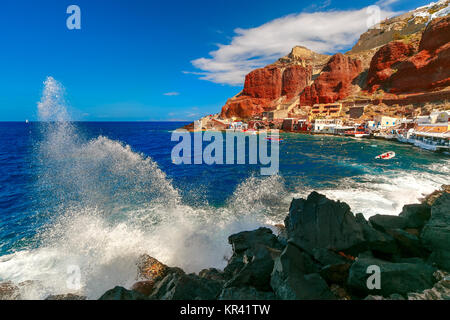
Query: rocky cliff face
[[431, 65], [391, 57], [335, 81], [383, 64]]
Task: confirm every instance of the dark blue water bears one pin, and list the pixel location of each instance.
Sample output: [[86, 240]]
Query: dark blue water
[[35, 191]]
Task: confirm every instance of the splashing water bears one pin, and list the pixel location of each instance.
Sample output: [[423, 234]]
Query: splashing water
[[108, 205]]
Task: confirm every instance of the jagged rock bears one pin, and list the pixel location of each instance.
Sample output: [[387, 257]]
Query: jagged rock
[[9, 291], [212, 274], [177, 286], [377, 241], [430, 64], [151, 269], [440, 291], [339, 292], [384, 61], [245, 293], [252, 261], [258, 265], [69, 296], [327, 257], [385, 222], [335, 81], [431, 198], [293, 278], [318, 222], [436, 233], [120, 293], [409, 245], [335, 273], [416, 215], [400, 278], [144, 287]]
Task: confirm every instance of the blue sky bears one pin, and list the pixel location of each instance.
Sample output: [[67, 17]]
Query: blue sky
[[160, 60]]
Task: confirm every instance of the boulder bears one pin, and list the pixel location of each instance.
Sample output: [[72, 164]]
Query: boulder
[[212, 274], [409, 245], [416, 215], [176, 286], [335, 273], [318, 222], [386, 222], [436, 233], [245, 293], [151, 269], [120, 293], [258, 266], [9, 291], [252, 259], [380, 243], [293, 278], [400, 278]]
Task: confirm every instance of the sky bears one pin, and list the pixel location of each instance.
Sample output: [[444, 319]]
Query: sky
[[143, 60]]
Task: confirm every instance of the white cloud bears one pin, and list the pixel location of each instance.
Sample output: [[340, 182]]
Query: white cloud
[[323, 32], [171, 94]]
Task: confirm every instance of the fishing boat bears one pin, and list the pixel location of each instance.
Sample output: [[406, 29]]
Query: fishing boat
[[274, 139], [386, 156]]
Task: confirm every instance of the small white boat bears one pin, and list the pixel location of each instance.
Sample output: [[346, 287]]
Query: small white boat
[[386, 156]]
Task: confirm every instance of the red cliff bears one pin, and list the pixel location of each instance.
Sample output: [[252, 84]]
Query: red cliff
[[335, 81], [384, 62], [263, 86], [430, 68]]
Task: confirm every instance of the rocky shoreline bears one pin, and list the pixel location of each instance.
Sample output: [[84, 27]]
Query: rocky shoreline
[[324, 252]]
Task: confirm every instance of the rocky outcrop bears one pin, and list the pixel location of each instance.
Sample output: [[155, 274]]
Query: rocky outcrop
[[436, 233], [400, 278], [295, 79], [334, 83], [383, 64], [431, 65], [318, 222], [266, 85], [323, 253]]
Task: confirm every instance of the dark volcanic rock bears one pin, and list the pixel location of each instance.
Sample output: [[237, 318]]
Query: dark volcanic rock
[[292, 277], [436, 233], [245, 293], [409, 245], [385, 222], [178, 286], [120, 293], [318, 222], [252, 261], [400, 278], [377, 241], [335, 273], [212, 274], [416, 215], [151, 269]]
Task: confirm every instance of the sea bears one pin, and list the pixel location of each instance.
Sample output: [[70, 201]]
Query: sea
[[86, 199]]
